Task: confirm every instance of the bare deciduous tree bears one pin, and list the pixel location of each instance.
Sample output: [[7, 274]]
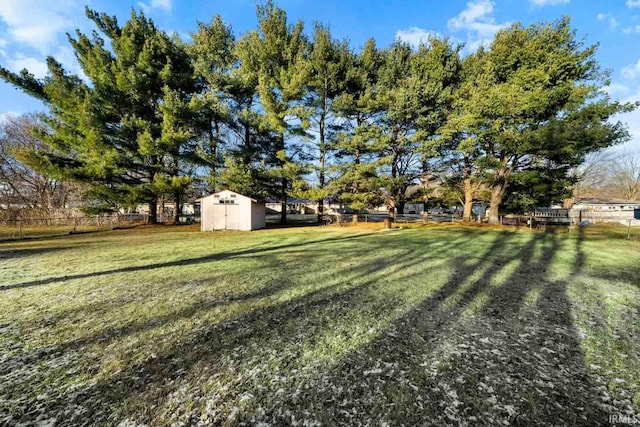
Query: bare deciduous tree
[[20, 185], [591, 177], [625, 175]]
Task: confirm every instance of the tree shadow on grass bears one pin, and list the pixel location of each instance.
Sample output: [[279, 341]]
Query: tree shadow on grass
[[182, 262], [269, 328], [494, 344], [9, 254], [515, 360]]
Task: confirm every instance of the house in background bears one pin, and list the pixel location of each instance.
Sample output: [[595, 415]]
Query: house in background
[[227, 210], [599, 210], [300, 206], [189, 211], [591, 211]]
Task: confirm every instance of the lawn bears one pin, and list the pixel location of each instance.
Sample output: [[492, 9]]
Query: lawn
[[319, 326]]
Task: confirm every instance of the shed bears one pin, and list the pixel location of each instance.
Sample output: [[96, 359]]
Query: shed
[[227, 210]]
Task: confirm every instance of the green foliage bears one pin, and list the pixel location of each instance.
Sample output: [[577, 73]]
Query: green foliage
[[262, 112], [534, 98], [125, 132]]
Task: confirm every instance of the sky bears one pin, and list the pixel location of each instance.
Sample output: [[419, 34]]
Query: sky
[[31, 30]]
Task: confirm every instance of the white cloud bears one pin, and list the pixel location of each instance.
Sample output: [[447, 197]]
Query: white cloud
[[20, 61], [478, 20], [632, 120], [155, 4], [613, 23], [415, 35], [34, 29], [37, 23], [633, 3], [631, 30], [477, 16], [616, 89], [631, 71], [541, 3]]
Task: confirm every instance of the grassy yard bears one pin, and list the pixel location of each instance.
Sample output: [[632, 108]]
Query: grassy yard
[[320, 326]]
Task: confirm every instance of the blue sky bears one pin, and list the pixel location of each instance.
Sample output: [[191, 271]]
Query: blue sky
[[32, 29]]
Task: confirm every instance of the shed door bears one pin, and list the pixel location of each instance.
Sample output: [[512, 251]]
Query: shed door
[[219, 217], [226, 215], [233, 217]]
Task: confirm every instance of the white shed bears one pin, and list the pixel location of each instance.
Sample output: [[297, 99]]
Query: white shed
[[227, 210]]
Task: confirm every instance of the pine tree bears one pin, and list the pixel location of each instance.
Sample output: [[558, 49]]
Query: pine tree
[[357, 139], [212, 51], [462, 135], [123, 133], [540, 104], [328, 61], [435, 75], [278, 59]]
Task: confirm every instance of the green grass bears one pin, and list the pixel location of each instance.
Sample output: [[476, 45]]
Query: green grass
[[319, 326], [28, 232]]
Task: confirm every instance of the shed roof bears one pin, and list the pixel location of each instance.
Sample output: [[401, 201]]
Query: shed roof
[[229, 191]]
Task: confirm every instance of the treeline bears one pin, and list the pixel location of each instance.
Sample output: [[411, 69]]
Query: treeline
[[280, 111]]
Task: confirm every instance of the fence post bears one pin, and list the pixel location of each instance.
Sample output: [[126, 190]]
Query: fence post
[[75, 221], [629, 231], [19, 229]]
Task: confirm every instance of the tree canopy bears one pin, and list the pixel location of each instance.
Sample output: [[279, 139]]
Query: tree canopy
[[279, 112]]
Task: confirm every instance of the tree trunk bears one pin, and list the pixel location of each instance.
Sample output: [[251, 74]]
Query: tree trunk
[[394, 173], [283, 187], [392, 211], [425, 189], [468, 200], [354, 220], [468, 189], [497, 194], [400, 206], [322, 161], [213, 144], [177, 197], [498, 189], [246, 158], [153, 211], [494, 205]]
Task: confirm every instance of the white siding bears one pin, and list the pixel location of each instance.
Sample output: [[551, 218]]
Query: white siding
[[258, 216], [244, 214]]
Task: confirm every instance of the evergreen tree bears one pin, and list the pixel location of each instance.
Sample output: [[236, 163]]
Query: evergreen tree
[[278, 61], [124, 133], [539, 104], [357, 139], [397, 124], [462, 135], [212, 53], [328, 66], [435, 75]]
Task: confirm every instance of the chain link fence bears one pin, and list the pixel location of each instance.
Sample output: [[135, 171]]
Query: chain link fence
[[31, 227]]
